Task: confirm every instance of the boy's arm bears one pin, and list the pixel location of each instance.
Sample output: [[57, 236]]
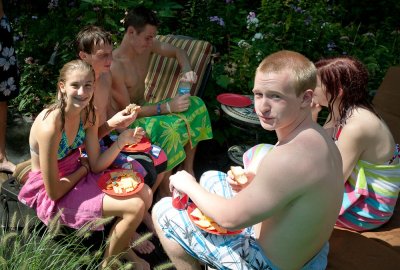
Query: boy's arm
[[168, 50]]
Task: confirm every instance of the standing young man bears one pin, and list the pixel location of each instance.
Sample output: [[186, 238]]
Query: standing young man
[[292, 197], [176, 124]]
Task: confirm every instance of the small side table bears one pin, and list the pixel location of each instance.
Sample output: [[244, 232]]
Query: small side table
[[243, 118]]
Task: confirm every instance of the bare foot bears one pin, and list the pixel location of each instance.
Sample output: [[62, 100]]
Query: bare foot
[[141, 244], [7, 166], [139, 263]]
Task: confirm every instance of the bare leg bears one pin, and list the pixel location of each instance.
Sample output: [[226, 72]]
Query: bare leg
[[175, 252], [5, 165], [163, 186], [159, 179], [146, 246], [130, 213], [189, 160]]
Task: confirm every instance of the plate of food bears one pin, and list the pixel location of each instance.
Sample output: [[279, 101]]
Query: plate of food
[[234, 100], [206, 223], [143, 146], [121, 183]]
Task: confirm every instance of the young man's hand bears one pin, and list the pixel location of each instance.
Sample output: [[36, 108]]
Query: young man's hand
[[131, 136], [180, 103], [189, 76], [181, 181], [122, 119]]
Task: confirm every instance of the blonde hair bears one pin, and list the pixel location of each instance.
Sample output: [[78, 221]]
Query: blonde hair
[[304, 73], [60, 102]]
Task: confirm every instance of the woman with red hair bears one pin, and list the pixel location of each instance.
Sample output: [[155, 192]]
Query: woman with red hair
[[370, 155]]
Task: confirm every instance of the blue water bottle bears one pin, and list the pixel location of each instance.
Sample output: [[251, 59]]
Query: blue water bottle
[[184, 88]]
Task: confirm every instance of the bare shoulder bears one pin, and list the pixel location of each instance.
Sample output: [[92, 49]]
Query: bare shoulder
[[306, 156], [362, 126], [46, 124]]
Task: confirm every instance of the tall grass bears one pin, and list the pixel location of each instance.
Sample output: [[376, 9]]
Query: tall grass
[[37, 247]]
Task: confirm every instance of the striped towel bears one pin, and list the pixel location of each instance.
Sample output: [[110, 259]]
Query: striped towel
[[370, 196], [253, 156]]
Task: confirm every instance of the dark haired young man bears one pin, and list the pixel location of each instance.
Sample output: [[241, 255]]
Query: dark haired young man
[[176, 124]]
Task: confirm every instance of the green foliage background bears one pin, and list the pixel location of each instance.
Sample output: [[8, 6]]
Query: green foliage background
[[368, 30]]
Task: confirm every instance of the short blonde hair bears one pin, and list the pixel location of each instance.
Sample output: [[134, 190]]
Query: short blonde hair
[[303, 70]]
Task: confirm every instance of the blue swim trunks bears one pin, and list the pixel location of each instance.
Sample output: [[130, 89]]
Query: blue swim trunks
[[225, 252]]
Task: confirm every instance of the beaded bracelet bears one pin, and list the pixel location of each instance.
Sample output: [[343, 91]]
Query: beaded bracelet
[[158, 108]]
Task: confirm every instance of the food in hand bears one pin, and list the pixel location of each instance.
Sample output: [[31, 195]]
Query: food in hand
[[132, 108], [123, 182], [239, 175], [206, 222], [134, 134]]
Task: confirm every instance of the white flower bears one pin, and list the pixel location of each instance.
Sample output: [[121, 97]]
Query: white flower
[[230, 68], [8, 86], [8, 59], [259, 56], [252, 20], [257, 36], [243, 44]]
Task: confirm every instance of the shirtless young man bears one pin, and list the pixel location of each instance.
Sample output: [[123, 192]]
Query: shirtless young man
[[94, 46], [129, 70], [291, 200]]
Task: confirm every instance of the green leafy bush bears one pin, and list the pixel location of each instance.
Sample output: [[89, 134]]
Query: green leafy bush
[[242, 31]]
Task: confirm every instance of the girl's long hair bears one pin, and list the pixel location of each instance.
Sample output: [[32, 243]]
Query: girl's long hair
[[350, 75], [60, 101]]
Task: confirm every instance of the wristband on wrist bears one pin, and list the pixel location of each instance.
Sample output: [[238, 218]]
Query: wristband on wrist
[[158, 108], [168, 107]]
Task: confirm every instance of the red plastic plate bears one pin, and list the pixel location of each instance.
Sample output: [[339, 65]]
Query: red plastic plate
[[190, 209], [234, 100], [108, 175], [142, 146]]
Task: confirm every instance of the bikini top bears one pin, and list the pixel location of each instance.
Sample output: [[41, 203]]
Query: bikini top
[[396, 150], [63, 148]]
